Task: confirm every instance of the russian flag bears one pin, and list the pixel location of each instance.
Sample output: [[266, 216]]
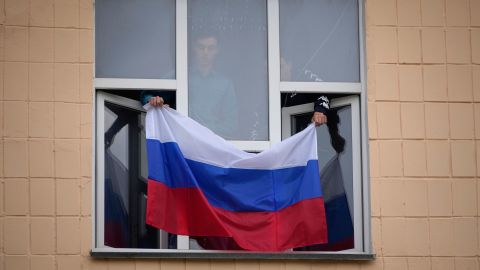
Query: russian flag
[[201, 185]]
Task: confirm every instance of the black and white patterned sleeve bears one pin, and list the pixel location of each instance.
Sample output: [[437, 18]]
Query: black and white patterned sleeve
[[322, 104]]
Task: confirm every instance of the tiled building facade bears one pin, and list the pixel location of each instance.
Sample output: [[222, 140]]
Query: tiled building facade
[[423, 86]]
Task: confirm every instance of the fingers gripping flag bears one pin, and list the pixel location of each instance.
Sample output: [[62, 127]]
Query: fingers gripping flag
[[201, 185]]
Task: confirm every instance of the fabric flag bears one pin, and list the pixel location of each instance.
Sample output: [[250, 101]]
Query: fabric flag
[[201, 185]]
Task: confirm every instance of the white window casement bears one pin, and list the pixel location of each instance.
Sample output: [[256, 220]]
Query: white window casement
[[269, 58]]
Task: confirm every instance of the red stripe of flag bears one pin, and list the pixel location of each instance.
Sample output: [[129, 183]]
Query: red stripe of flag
[[186, 211]]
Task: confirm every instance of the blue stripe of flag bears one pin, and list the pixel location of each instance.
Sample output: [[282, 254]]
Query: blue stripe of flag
[[234, 189]]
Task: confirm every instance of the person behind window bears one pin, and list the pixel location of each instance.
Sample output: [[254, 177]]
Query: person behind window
[[212, 99]]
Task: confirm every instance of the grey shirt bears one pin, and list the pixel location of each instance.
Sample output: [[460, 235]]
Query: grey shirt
[[213, 103]]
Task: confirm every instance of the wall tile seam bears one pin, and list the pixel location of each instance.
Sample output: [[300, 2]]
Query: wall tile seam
[[384, 216], [421, 63], [55, 227], [48, 27], [451, 157], [67, 102], [53, 62], [439, 64], [395, 139], [52, 216], [54, 102], [427, 182], [425, 178], [405, 26], [69, 138], [44, 26], [405, 139], [78, 63], [2, 211], [28, 139], [381, 100], [433, 102], [62, 101], [476, 155], [418, 27], [398, 50], [428, 256], [3, 81], [423, 96], [28, 126], [398, 101], [45, 215], [396, 12], [422, 179]]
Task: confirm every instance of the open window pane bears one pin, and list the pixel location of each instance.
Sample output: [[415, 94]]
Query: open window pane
[[339, 169], [135, 39], [327, 156], [228, 78], [125, 180], [319, 41]]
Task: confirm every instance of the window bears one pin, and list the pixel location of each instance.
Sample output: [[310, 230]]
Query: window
[[227, 44], [243, 69]]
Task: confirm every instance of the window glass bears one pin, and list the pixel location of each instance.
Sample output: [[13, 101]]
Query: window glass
[[135, 39], [116, 182], [336, 177], [319, 40], [326, 152], [126, 184], [227, 73]]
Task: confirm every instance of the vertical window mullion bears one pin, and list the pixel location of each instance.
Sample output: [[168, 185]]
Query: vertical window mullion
[[367, 242], [357, 178], [274, 109], [181, 35], [99, 214]]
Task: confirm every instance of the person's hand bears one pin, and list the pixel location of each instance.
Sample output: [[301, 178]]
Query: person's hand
[[319, 118], [156, 101]]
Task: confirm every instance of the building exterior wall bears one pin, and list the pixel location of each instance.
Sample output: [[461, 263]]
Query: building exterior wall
[[423, 78]]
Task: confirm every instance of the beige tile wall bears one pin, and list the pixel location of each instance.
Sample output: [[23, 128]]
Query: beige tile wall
[[423, 64], [423, 88]]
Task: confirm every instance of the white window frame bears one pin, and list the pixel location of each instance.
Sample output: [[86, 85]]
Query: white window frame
[[276, 88]]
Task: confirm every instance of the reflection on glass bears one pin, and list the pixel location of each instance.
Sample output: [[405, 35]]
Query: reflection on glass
[[319, 40], [336, 176], [326, 153], [135, 39], [125, 182], [116, 181], [228, 80]]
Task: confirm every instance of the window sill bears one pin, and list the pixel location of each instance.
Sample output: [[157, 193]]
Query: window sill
[[203, 254]]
